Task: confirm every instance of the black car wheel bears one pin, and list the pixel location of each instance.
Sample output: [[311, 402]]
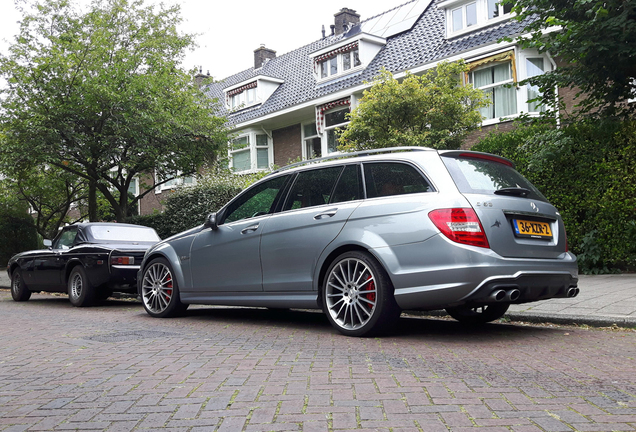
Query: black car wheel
[[81, 292], [478, 315], [160, 292], [19, 291], [358, 296]]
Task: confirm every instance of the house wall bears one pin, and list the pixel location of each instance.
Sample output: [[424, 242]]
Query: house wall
[[476, 136], [152, 201], [287, 144]]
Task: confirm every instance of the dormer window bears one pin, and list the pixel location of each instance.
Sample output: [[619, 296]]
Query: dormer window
[[242, 96], [463, 16], [248, 93], [346, 57], [338, 61]]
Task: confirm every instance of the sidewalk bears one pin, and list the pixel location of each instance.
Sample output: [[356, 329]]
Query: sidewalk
[[604, 300]]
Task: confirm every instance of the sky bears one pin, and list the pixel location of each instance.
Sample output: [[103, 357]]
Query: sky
[[229, 32]]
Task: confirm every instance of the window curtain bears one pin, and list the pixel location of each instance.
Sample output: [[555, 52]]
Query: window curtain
[[534, 67]]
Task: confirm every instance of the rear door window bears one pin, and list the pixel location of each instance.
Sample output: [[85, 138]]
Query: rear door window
[[474, 175], [393, 178], [312, 188], [349, 187]]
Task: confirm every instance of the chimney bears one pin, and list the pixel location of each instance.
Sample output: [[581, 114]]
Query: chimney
[[345, 19], [198, 78], [262, 55]]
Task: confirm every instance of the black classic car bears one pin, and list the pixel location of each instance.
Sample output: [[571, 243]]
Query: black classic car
[[88, 260]]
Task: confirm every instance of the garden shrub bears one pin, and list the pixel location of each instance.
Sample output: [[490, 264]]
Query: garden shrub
[[17, 231], [188, 207], [586, 170]]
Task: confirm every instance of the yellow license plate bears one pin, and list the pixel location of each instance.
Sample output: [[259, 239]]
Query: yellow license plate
[[532, 229]]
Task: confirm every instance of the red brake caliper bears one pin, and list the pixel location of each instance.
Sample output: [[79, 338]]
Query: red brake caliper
[[169, 285], [370, 287]]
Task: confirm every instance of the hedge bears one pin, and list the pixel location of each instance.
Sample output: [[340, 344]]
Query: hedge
[[587, 171], [17, 231]]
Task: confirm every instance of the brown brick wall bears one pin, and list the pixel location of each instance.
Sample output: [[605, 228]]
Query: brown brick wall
[[476, 136], [287, 144], [152, 201]]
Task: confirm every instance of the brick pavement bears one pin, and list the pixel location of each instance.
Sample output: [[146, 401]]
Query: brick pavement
[[114, 368]]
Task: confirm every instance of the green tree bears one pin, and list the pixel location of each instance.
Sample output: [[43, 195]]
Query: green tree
[[433, 110], [50, 193], [100, 94], [595, 40]]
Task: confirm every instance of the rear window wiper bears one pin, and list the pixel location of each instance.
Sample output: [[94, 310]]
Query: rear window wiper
[[514, 191]]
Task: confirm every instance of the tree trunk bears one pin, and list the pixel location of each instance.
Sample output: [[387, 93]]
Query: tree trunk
[[92, 200]]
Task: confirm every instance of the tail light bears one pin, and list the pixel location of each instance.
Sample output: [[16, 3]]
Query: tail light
[[121, 260], [461, 225]]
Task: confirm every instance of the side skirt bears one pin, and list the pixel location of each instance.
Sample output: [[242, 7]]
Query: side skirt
[[273, 300]]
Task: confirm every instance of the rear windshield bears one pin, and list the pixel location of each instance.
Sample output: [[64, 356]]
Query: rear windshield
[[483, 176], [124, 233]]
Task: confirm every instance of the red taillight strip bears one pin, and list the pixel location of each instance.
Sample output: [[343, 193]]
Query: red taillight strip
[[461, 225]]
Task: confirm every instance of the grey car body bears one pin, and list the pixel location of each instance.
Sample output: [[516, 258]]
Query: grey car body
[[283, 255]]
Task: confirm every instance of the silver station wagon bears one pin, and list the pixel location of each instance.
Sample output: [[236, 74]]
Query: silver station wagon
[[363, 236]]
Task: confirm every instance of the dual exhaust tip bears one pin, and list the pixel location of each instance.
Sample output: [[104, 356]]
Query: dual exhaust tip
[[512, 295], [505, 295]]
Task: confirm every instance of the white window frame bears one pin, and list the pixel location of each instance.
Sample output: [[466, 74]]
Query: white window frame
[[340, 65], [306, 138], [464, 24], [252, 147], [176, 182], [548, 65], [495, 85], [482, 15], [328, 129]]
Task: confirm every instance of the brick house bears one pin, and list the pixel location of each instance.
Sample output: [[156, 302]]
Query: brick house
[[288, 106]]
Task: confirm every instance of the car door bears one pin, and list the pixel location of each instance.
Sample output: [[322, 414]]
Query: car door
[[49, 266], [227, 259], [313, 214]]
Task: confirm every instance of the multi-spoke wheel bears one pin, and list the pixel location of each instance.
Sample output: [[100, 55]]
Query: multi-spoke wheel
[[159, 290], [81, 292], [19, 290], [358, 296], [478, 314]]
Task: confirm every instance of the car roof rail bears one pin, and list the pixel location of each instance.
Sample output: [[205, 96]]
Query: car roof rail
[[351, 155]]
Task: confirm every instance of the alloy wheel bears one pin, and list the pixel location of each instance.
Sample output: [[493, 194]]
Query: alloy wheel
[[351, 293], [157, 287]]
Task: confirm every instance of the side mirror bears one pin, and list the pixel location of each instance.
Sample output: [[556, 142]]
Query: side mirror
[[47, 243], [210, 222]]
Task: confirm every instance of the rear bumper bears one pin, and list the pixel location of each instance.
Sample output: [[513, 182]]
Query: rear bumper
[[437, 274]]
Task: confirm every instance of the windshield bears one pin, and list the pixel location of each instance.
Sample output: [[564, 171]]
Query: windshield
[[484, 176], [124, 233]]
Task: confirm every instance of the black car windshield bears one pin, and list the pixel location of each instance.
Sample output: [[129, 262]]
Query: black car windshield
[[483, 176], [123, 233]]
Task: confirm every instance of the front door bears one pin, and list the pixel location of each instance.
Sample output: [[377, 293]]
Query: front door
[[228, 259]]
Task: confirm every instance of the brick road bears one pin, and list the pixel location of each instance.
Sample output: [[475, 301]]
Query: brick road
[[114, 368]]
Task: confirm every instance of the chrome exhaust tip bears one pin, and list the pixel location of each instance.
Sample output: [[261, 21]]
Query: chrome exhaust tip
[[497, 295], [513, 295], [572, 292]]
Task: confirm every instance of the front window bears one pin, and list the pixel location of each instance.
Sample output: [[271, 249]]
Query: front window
[[534, 67], [66, 239], [334, 120], [256, 201], [495, 82], [312, 143], [464, 16], [250, 152]]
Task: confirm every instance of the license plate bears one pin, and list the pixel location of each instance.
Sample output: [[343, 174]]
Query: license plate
[[532, 229]]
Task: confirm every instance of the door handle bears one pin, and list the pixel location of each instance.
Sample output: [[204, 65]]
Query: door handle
[[250, 228], [326, 214]]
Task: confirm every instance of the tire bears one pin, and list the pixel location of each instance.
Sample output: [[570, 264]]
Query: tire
[[159, 290], [478, 315], [19, 290], [81, 293], [357, 296]]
